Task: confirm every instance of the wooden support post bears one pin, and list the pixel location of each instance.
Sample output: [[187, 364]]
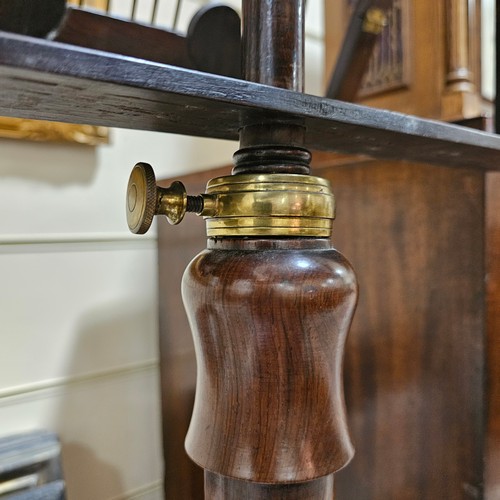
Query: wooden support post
[[269, 319], [270, 312], [269, 302], [273, 54]]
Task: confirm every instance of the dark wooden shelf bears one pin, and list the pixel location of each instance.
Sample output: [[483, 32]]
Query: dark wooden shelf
[[52, 81]]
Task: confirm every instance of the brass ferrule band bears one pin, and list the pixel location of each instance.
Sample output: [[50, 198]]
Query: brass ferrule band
[[269, 205]]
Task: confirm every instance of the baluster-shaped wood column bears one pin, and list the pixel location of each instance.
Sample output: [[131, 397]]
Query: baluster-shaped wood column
[[462, 63], [270, 303], [269, 320]]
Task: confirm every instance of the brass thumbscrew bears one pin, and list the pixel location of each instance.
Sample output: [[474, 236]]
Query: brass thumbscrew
[[236, 205], [145, 200]]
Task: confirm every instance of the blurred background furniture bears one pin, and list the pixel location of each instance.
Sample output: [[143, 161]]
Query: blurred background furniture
[[30, 467]]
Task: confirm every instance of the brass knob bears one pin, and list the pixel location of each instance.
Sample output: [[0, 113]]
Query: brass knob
[[145, 200], [375, 21], [236, 205]]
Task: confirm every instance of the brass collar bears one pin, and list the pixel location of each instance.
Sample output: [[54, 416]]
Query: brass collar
[[268, 205]]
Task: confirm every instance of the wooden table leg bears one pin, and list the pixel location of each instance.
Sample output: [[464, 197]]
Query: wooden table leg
[[221, 487], [269, 316], [270, 301], [269, 320]]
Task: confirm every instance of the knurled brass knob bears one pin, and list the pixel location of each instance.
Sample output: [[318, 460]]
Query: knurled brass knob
[[145, 200], [239, 205]]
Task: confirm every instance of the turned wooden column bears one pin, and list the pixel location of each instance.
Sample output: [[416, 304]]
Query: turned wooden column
[[269, 304], [269, 301], [462, 50], [269, 320], [273, 54]]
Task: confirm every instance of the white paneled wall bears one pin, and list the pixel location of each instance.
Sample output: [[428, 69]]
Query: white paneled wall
[[488, 20], [78, 297]]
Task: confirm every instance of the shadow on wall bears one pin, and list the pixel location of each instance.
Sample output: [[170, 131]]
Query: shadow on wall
[[87, 476], [63, 164], [108, 419]]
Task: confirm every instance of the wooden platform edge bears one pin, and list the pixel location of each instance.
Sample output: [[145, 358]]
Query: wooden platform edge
[[52, 81]]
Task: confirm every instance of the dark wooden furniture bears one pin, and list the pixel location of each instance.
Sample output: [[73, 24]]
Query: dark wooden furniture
[[212, 43], [421, 366], [72, 84], [422, 357], [428, 62]]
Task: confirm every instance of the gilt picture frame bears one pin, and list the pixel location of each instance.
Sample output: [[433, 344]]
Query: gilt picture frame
[[45, 131]]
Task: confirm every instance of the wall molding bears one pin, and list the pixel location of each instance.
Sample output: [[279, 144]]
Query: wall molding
[[75, 242], [41, 388], [62, 238], [138, 493]]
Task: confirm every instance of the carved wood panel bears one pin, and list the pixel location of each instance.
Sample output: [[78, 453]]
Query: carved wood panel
[[388, 68], [427, 61]]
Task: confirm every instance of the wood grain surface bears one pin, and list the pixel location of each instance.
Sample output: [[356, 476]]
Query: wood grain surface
[[212, 43], [269, 320], [273, 54], [48, 80], [416, 355], [102, 32], [219, 487], [273, 43], [492, 454]]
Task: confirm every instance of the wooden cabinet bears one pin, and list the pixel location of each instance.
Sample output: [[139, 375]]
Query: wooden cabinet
[[427, 62], [422, 358], [421, 367]]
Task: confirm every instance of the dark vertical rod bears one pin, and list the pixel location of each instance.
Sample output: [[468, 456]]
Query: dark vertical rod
[[155, 10], [273, 42], [273, 54], [134, 9]]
